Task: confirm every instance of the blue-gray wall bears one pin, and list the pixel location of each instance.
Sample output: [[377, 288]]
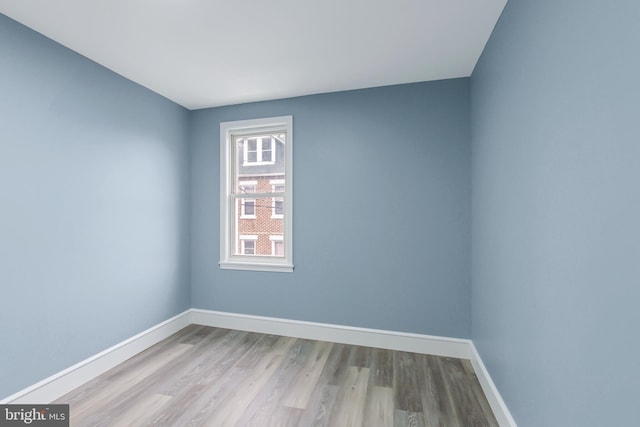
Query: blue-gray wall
[[556, 211], [381, 211], [94, 208]]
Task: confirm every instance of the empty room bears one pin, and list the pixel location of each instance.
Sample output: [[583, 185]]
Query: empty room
[[338, 213]]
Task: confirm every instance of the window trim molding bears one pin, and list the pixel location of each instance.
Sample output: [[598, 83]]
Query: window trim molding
[[228, 221]]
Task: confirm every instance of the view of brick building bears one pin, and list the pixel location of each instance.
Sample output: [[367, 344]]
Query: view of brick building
[[261, 171]]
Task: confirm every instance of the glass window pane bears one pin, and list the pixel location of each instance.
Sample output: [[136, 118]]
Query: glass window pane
[[278, 207], [267, 149], [250, 150], [278, 248], [249, 207], [256, 217], [249, 247]]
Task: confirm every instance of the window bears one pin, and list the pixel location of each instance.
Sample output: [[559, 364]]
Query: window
[[277, 245], [247, 206], [248, 245], [256, 159], [258, 150], [277, 203]]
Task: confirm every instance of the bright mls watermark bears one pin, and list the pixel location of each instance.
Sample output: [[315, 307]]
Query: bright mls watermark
[[34, 415]]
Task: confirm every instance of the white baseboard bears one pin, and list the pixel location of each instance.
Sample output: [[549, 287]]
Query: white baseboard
[[439, 346], [59, 384], [498, 406], [63, 382]]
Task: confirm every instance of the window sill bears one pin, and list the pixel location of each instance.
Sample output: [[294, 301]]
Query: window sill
[[256, 266]]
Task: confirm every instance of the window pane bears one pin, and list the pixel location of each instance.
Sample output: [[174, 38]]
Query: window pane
[[260, 154], [267, 149], [278, 248], [249, 247], [278, 207], [248, 207], [249, 148], [255, 217]]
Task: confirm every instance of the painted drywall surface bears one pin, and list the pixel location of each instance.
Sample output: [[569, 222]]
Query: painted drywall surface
[[93, 208], [381, 211], [555, 102]]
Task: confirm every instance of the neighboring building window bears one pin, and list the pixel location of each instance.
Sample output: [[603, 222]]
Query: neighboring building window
[[277, 245], [256, 159], [258, 150], [248, 245], [247, 206], [277, 203]]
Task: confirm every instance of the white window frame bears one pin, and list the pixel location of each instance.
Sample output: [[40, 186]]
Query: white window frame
[[243, 214], [228, 199], [274, 183]]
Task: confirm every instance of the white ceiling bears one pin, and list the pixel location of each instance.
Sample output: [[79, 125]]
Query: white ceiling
[[205, 53]]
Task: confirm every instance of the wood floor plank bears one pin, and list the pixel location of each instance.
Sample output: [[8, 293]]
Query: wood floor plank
[[211, 376], [471, 383], [203, 359], [408, 419], [213, 394], [141, 411], [382, 365], [379, 408], [349, 408], [307, 378], [83, 393], [337, 363], [194, 399], [140, 360], [400, 418], [282, 416], [201, 332], [114, 389], [468, 411], [164, 374], [320, 407], [405, 383], [235, 403], [361, 356], [266, 408], [436, 402], [481, 399], [263, 346]]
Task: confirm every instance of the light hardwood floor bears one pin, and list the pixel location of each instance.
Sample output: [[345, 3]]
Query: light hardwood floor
[[203, 376]]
